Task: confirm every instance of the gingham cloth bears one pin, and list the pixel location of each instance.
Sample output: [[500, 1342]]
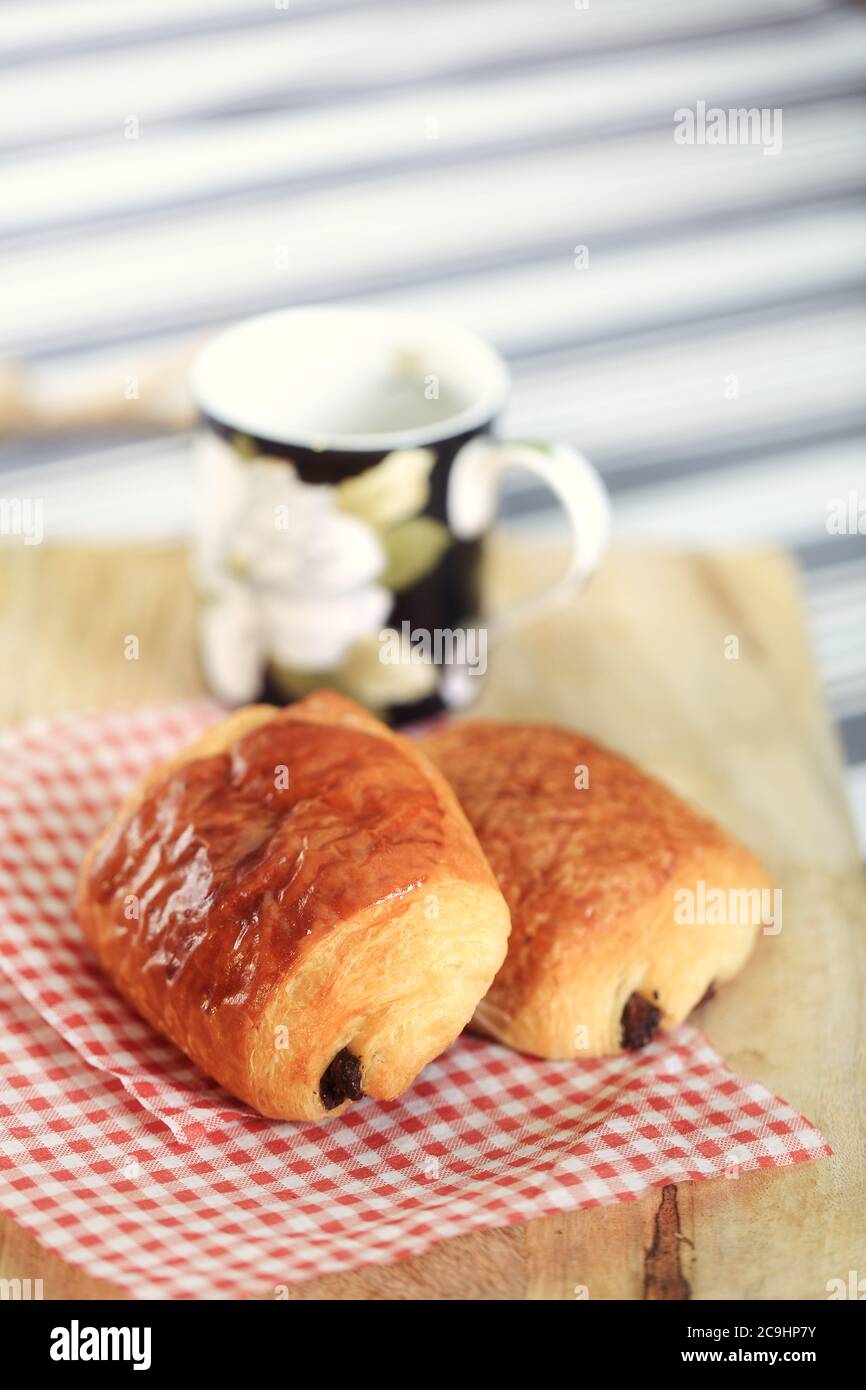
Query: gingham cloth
[[118, 1155]]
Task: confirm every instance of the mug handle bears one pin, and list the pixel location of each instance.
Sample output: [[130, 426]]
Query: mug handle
[[473, 494]]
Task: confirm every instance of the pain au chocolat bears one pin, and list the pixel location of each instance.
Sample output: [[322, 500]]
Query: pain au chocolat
[[298, 902], [596, 860]]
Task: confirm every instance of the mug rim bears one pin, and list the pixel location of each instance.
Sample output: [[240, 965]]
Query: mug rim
[[487, 404]]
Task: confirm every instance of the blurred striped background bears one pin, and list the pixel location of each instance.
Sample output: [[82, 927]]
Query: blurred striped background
[[170, 166]]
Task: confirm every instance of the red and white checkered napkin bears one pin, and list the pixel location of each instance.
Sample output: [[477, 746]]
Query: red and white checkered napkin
[[119, 1155]]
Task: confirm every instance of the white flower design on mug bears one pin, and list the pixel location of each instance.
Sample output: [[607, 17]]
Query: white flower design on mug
[[298, 578]]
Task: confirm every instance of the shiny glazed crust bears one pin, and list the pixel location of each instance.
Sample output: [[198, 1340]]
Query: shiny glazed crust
[[590, 876], [333, 951]]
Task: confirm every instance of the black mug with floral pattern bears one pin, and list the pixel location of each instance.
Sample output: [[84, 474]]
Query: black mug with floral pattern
[[346, 473]]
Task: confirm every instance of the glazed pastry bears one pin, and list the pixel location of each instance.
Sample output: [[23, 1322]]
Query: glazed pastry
[[298, 902], [597, 862]]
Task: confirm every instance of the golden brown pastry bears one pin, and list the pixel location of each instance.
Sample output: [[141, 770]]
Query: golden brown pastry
[[298, 902], [600, 880]]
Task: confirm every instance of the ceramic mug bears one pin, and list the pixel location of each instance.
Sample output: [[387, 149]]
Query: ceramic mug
[[346, 472]]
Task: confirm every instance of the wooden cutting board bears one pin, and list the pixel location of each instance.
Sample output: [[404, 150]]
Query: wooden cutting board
[[639, 661]]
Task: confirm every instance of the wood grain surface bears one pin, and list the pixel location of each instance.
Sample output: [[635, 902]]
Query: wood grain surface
[[638, 661]]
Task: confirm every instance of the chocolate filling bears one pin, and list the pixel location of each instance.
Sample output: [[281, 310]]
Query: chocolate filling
[[341, 1080], [640, 1021]]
